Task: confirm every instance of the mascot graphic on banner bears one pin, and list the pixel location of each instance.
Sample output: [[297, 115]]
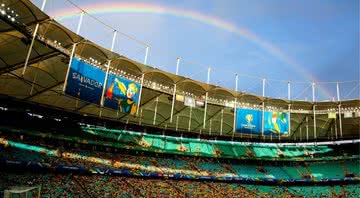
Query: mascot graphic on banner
[[123, 95], [277, 123]]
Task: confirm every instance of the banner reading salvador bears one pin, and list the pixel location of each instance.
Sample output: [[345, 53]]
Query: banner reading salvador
[[85, 81]]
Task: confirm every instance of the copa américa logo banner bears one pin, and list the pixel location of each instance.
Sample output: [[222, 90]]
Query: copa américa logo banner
[[122, 94], [250, 121], [85, 81]]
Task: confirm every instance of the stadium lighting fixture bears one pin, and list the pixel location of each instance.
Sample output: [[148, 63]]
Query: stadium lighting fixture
[[12, 19], [2, 5], [3, 12]]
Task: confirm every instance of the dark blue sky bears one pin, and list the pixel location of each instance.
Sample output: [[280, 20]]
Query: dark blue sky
[[320, 37]]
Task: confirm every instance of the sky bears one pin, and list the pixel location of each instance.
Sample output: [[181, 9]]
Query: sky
[[298, 41]]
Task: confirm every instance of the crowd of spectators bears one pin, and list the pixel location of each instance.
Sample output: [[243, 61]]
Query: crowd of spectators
[[69, 185], [47, 153]]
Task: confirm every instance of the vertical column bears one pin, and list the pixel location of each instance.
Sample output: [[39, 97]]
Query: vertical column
[[140, 93], [289, 108], [206, 97], [146, 55], [300, 134], [141, 115], [156, 107], [222, 120], [235, 105], [189, 127], [107, 71], [32, 41], [73, 51], [307, 128], [177, 123], [263, 108], [174, 91], [336, 131], [314, 108], [339, 108], [210, 127]]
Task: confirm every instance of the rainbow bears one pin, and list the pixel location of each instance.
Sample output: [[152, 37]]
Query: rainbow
[[117, 7]]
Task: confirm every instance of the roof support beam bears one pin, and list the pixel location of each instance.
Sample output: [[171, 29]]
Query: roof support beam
[[32, 61]]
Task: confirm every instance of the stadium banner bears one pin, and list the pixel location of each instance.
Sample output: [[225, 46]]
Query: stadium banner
[[122, 94], [276, 123], [85, 81], [248, 121]]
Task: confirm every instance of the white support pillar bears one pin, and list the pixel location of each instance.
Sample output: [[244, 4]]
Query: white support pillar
[[73, 51], [146, 55], [68, 69], [307, 128], [235, 104], [314, 108], [222, 121], [336, 131], [339, 108], [140, 117], [156, 108], [140, 93], [338, 91], [174, 91], [33, 84], [189, 127], [300, 134], [177, 123], [32, 41], [107, 71], [289, 109], [104, 85], [210, 126], [206, 98], [263, 108]]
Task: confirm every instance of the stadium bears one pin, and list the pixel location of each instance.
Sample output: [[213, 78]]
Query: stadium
[[80, 120]]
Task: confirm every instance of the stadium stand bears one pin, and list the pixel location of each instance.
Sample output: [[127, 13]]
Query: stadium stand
[[62, 144]]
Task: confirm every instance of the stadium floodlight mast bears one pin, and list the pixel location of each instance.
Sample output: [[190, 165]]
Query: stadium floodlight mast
[[174, 91], [73, 51], [32, 41]]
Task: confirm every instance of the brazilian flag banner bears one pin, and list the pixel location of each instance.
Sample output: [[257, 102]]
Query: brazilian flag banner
[[121, 94]]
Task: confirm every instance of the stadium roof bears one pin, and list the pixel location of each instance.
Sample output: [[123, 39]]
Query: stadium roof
[[44, 79]]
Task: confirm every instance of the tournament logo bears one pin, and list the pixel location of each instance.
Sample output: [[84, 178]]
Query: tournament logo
[[249, 118]]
